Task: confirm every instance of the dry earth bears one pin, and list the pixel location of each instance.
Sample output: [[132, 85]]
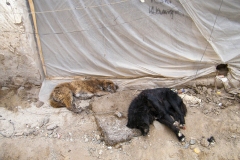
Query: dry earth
[[32, 130]]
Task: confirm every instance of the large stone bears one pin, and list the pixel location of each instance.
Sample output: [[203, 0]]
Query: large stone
[[114, 130], [107, 110]]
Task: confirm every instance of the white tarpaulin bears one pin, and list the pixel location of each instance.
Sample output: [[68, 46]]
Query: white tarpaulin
[[182, 39]]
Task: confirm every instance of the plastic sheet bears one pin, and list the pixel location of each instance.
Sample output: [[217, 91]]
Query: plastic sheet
[[181, 40]]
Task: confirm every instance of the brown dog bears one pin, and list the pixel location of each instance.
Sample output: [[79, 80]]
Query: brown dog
[[63, 94]]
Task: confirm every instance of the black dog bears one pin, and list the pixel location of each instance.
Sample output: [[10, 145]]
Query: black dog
[[161, 104]]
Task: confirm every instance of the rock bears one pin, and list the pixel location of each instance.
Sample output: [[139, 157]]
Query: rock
[[4, 88], [100, 152], [204, 89], [98, 137], [17, 19], [117, 146], [114, 130], [225, 103], [209, 91], [51, 127], [191, 91], [205, 111], [186, 145], [192, 141], [204, 142], [92, 151], [35, 133], [197, 150], [111, 116], [28, 125], [39, 104], [208, 99], [118, 114], [215, 99], [19, 134]]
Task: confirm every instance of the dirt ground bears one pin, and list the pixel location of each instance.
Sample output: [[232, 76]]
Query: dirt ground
[[30, 129]]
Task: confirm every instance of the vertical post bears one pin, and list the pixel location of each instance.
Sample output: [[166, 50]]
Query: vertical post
[[31, 4]]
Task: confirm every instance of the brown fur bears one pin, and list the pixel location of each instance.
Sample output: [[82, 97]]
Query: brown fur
[[63, 94]]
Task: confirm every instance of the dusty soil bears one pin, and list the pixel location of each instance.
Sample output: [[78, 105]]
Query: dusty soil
[[32, 130]]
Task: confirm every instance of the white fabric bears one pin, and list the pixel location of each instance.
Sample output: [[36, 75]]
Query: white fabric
[[182, 39], [219, 23]]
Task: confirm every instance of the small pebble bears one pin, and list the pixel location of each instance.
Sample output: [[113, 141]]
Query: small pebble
[[192, 141], [204, 142], [52, 127], [118, 114], [4, 88], [197, 150], [100, 152]]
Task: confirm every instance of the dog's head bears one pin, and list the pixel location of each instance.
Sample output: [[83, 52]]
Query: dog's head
[[109, 86]]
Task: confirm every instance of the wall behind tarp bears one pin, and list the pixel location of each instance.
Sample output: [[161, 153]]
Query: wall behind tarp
[[19, 58], [129, 39]]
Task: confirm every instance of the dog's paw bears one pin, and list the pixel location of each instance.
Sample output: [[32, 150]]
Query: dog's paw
[[181, 137], [182, 126]]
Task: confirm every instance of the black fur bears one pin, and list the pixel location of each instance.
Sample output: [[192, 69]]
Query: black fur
[[161, 104]]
